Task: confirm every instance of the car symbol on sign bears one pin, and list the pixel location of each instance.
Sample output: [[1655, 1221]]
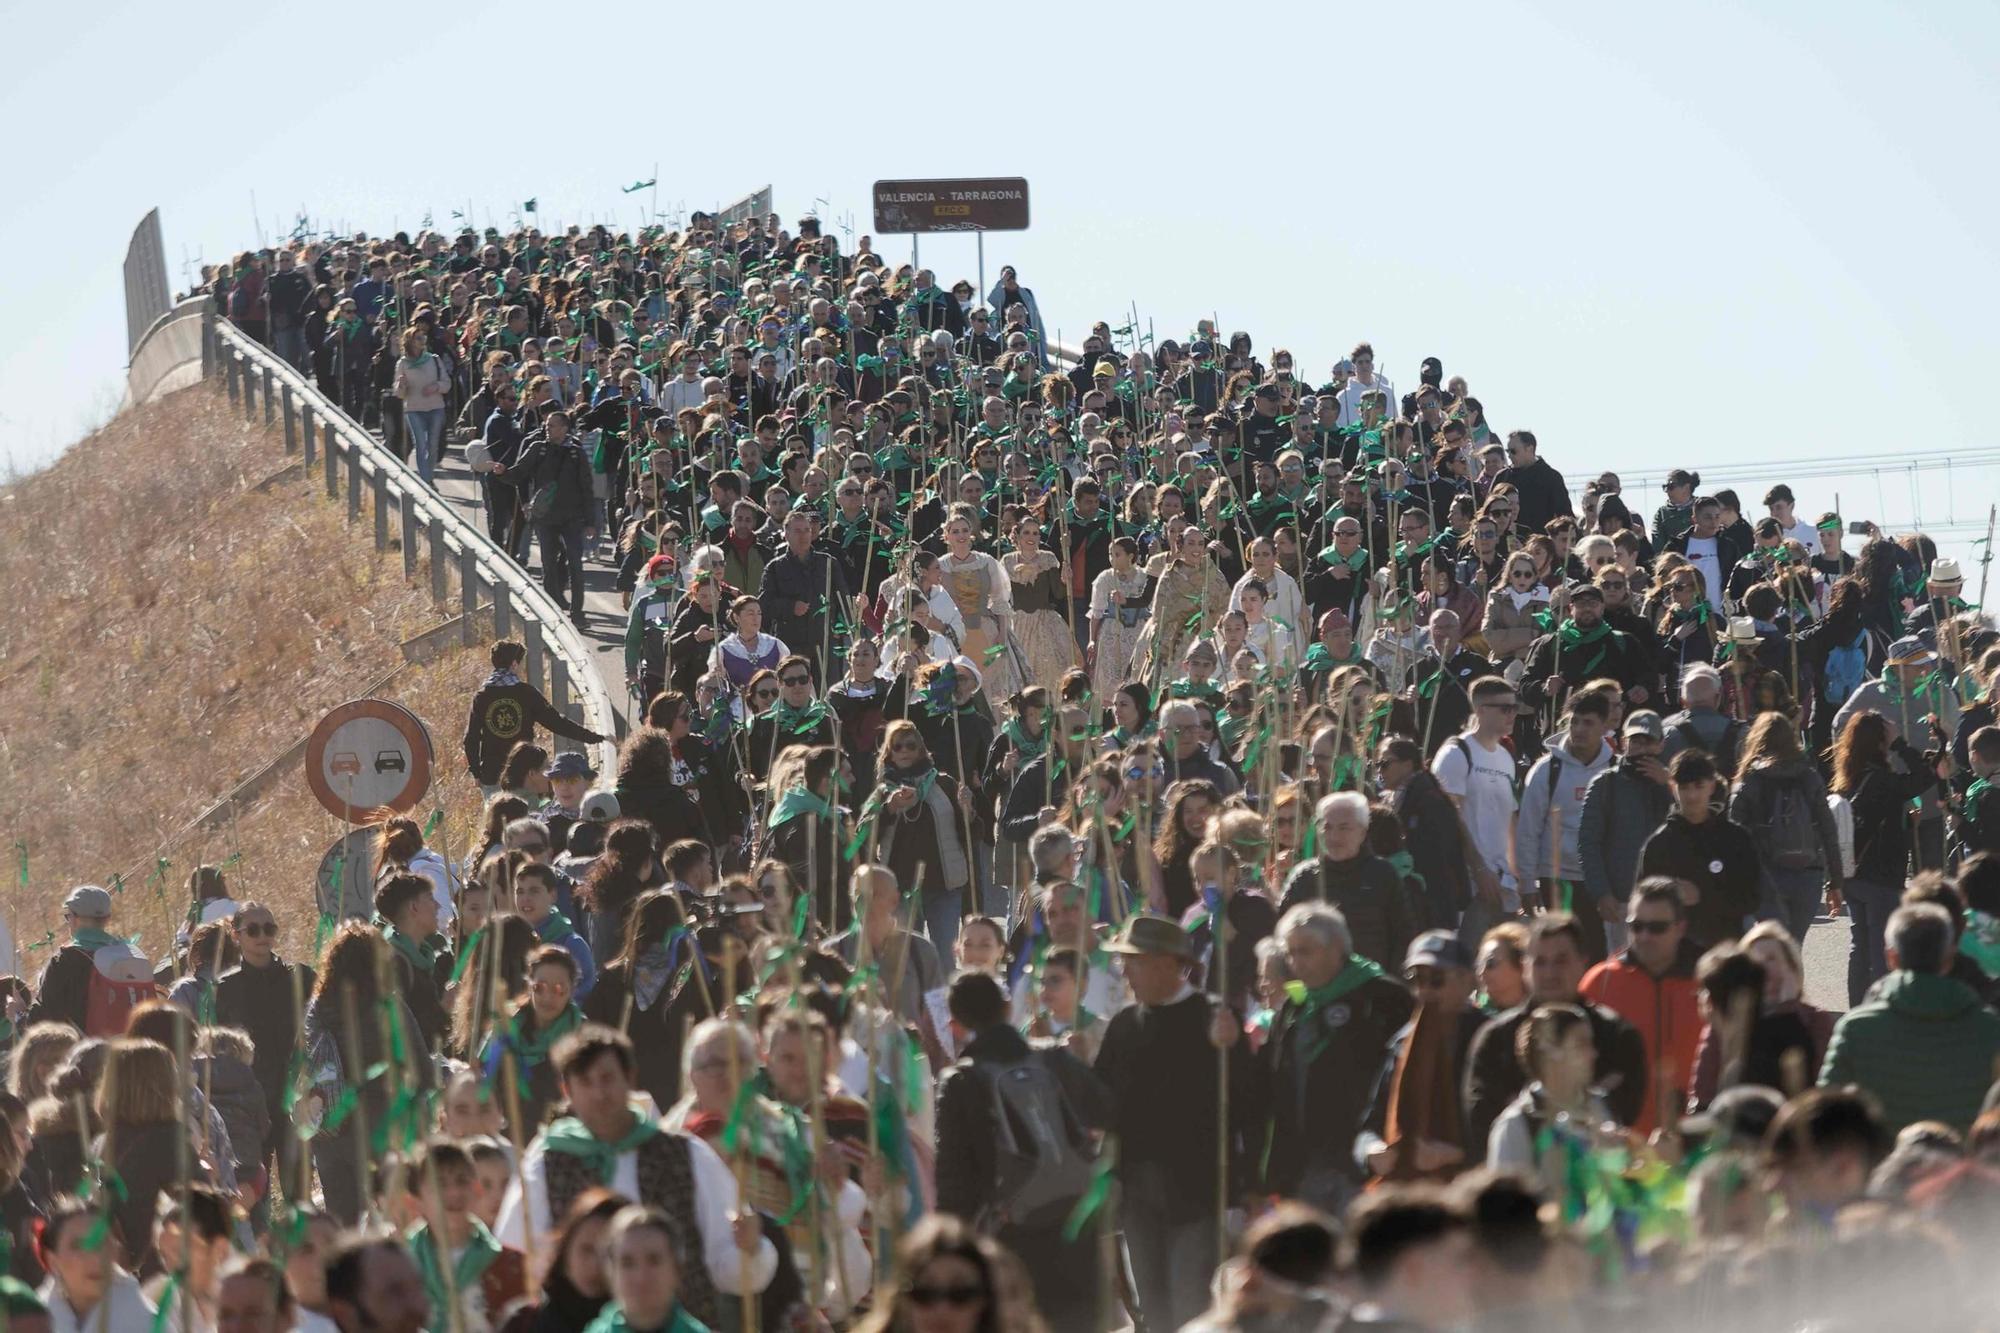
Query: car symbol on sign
[[389, 761], [345, 761]]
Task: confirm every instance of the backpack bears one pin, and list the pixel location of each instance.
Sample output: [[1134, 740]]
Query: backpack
[[120, 981], [1724, 753], [1038, 1171], [1846, 669], [1790, 833], [654, 632], [1843, 828]]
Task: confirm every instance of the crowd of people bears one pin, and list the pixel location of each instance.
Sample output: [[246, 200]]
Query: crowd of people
[[1150, 841]]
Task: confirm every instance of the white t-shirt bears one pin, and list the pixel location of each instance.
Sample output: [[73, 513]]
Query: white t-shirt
[[1483, 782], [1802, 532], [1702, 555]]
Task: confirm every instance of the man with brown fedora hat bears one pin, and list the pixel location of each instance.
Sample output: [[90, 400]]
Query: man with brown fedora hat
[[1159, 1053]]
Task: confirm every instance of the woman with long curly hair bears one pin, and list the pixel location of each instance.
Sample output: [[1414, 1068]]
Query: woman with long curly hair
[[494, 975], [1880, 798], [646, 992], [628, 867], [1190, 806]]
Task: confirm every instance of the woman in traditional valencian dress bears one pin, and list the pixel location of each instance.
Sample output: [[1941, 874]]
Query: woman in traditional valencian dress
[[984, 596], [1039, 628], [1121, 602], [1190, 600]]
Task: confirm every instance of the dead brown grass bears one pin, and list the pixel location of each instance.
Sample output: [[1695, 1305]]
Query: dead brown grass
[[174, 625]]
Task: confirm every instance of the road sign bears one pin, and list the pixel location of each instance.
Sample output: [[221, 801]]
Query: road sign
[[345, 884], [753, 205], [995, 203], [366, 757]]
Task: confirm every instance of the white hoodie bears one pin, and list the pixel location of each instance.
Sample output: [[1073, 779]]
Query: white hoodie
[[1561, 777]]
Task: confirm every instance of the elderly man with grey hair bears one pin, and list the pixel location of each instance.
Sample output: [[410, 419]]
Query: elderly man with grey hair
[[1441, 680], [1326, 1050], [1921, 1042], [1376, 909], [1187, 756]]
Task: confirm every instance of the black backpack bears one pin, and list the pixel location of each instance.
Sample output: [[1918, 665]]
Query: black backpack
[[1039, 1172]]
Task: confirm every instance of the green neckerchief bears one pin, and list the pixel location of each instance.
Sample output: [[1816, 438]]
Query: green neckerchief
[[1978, 788], [1569, 636], [1357, 973], [1698, 613], [923, 784], [800, 801], [555, 927], [93, 939], [792, 721], [1120, 738], [531, 1050], [568, 1136], [1405, 552], [611, 1319], [1024, 745], [1358, 562], [480, 1252], [1229, 728], [419, 953], [1319, 657], [1186, 687], [1981, 941]]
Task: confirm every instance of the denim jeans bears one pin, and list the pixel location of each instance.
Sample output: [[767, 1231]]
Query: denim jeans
[[562, 562], [1792, 897], [425, 428], [290, 345], [1171, 1260], [942, 909], [1868, 908]]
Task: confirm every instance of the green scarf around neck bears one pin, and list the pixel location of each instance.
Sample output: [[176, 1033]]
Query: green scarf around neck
[[93, 939], [569, 1137], [611, 1319], [798, 801], [420, 953], [532, 1048], [1028, 747], [798, 721], [555, 927], [1571, 636], [1358, 562], [480, 1252], [1312, 1001]]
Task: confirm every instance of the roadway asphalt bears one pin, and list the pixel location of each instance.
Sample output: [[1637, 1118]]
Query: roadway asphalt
[[605, 625], [1826, 963]]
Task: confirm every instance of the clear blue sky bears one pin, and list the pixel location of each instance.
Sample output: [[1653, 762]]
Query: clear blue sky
[[1654, 235]]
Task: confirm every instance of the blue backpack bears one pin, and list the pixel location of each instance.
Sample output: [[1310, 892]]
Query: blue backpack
[[1846, 669]]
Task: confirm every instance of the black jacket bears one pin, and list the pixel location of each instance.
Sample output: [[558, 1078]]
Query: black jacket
[[503, 714], [1034, 787], [1544, 494], [646, 790], [1314, 1114], [1719, 857], [1494, 1078], [1623, 660], [288, 294], [1369, 893], [544, 463], [1436, 840], [62, 994], [1881, 817], [1152, 1058], [269, 1003], [968, 1134]]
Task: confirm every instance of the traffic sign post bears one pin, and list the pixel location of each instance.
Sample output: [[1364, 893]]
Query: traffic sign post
[[345, 884], [981, 203], [367, 757]]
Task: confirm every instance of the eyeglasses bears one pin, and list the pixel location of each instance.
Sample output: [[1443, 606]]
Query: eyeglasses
[[258, 929], [1614, 585], [960, 1296], [1640, 927], [796, 680]]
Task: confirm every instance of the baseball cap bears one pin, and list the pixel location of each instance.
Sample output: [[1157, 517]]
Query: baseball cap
[[570, 764], [1645, 722], [1910, 651], [599, 807], [1437, 948], [88, 900], [1737, 1117]]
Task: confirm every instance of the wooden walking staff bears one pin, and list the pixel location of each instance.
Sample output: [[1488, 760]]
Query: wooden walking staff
[[1218, 934]]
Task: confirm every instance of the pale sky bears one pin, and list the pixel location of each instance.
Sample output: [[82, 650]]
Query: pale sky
[[1654, 235]]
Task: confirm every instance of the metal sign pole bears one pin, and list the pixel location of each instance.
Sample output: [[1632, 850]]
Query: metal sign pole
[[980, 295]]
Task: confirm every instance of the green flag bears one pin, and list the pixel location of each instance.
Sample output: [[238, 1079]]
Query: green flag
[[636, 186]]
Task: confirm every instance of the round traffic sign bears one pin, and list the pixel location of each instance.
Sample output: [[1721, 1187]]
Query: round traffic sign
[[345, 884], [367, 757]]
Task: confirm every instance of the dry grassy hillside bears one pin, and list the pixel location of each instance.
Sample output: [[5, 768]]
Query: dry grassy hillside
[[181, 608]]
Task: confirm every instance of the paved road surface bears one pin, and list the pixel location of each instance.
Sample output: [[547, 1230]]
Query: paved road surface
[[1826, 964], [606, 626]]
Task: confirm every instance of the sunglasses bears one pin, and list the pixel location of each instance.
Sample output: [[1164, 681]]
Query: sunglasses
[[765, 694], [961, 1296], [1639, 927], [796, 680], [258, 929]]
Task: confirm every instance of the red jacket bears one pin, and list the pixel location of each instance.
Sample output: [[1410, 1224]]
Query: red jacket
[[1664, 1011]]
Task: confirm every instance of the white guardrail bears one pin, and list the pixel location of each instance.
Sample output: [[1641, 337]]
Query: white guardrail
[[191, 341]]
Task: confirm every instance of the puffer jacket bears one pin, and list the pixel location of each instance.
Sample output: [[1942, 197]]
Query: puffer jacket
[[1664, 1011], [237, 1096], [1620, 811], [1923, 1045], [1369, 893]]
